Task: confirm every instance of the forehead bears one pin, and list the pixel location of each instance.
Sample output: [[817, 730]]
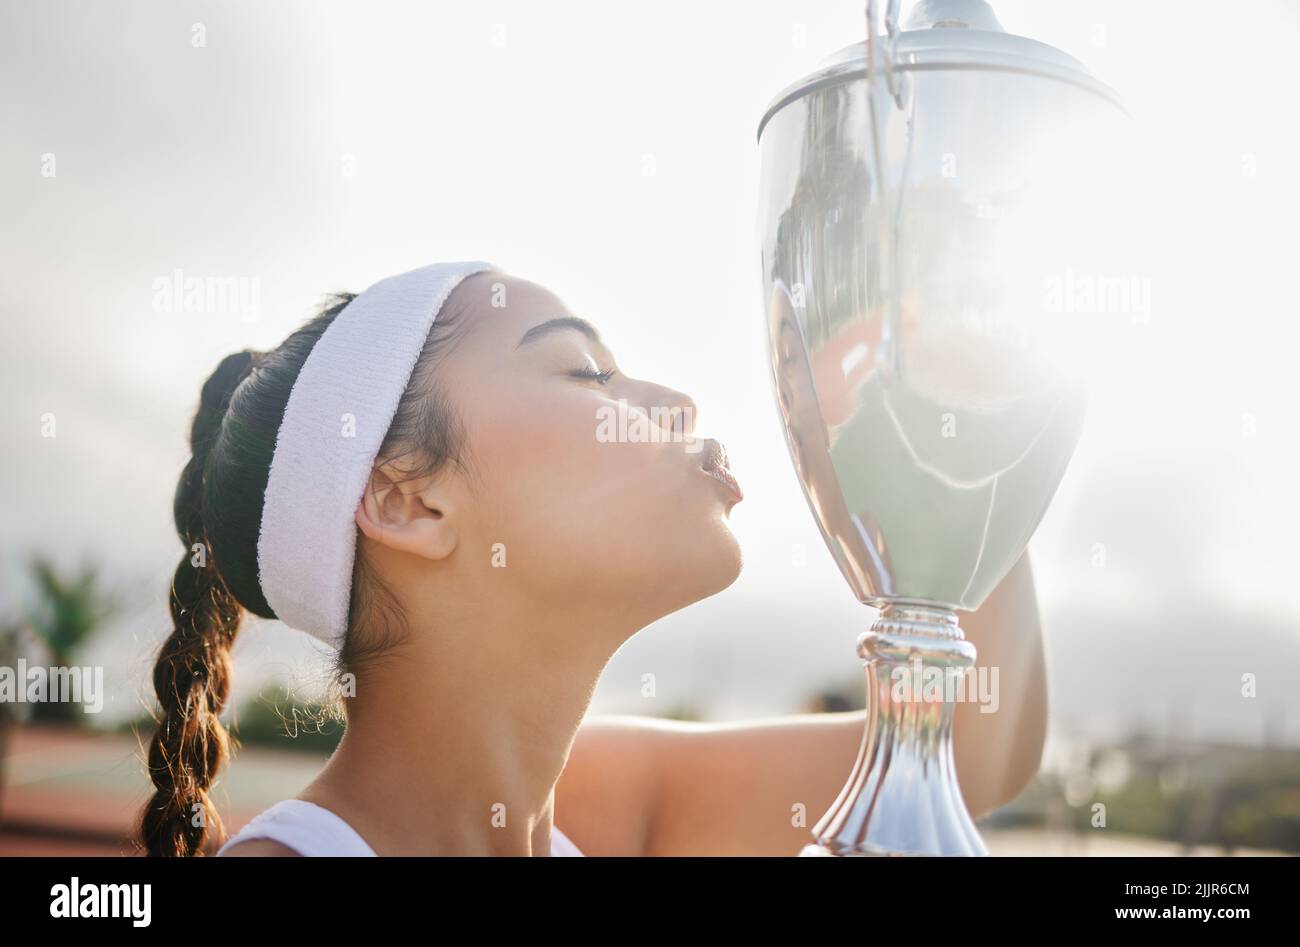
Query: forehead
[[496, 304]]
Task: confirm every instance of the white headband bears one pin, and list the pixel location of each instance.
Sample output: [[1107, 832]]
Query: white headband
[[338, 414]]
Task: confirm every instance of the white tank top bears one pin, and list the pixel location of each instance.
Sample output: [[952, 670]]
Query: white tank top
[[311, 830]]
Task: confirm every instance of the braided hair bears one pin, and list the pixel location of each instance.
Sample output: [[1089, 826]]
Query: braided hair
[[218, 510]]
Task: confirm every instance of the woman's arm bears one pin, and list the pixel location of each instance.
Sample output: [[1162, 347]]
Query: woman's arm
[[757, 787], [998, 753]]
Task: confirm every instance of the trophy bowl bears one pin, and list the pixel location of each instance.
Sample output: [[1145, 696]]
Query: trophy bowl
[[921, 191]]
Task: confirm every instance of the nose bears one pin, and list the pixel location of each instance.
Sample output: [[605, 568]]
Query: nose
[[676, 409]]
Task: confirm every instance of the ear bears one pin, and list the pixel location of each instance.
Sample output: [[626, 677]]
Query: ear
[[414, 516]]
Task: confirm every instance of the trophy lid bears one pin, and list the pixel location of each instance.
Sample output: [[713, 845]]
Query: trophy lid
[[949, 35]]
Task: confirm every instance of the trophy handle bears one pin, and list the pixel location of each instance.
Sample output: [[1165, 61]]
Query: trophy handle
[[902, 796]]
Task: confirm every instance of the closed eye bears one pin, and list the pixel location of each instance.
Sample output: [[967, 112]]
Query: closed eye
[[594, 375]]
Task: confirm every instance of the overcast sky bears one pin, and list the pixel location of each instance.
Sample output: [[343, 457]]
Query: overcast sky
[[609, 153]]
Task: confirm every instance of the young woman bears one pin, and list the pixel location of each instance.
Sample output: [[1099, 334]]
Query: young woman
[[423, 477]]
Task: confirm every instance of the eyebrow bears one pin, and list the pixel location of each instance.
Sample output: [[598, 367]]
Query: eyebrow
[[555, 325]]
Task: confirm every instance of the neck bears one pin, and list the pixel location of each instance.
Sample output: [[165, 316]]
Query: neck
[[456, 739]]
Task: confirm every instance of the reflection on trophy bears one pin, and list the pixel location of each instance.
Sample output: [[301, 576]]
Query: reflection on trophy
[[917, 191]]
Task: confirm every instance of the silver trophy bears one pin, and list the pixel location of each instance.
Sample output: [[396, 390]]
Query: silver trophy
[[919, 192]]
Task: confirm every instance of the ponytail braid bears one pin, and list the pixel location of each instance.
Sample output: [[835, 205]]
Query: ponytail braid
[[218, 512], [192, 675]]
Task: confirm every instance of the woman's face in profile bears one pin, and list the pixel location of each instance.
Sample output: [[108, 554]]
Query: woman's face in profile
[[586, 497]]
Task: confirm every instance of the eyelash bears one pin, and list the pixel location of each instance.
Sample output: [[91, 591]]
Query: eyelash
[[601, 377]]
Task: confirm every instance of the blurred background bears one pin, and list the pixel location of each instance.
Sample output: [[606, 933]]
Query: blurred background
[[294, 149]]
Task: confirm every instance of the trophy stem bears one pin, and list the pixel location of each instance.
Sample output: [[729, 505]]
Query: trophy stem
[[902, 796]]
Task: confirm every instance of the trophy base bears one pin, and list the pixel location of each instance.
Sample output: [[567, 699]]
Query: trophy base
[[813, 850], [902, 797]]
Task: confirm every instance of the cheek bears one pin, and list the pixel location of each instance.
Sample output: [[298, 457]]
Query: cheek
[[579, 513], [566, 501]]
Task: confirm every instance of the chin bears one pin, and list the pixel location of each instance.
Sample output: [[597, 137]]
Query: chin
[[734, 560], [717, 563], [698, 564]]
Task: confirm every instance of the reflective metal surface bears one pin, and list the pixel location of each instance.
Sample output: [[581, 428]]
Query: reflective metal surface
[[902, 796], [930, 394]]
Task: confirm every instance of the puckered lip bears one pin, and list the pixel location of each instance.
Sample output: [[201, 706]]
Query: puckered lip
[[714, 463]]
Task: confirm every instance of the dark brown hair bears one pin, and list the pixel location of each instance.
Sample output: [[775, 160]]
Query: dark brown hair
[[218, 513]]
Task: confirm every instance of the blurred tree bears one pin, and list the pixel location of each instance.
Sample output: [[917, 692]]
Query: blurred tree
[[681, 710], [69, 608], [10, 635], [837, 698], [1236, 797]]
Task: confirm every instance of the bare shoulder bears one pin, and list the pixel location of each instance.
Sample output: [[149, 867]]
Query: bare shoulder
[[260, 846], [606, 797]]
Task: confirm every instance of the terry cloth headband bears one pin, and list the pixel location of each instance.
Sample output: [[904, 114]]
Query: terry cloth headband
[[338, 414]]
